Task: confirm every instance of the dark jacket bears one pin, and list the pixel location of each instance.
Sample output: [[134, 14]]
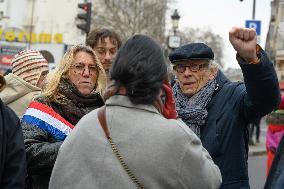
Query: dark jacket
[[41, 146], [12, 150], [232, 107]]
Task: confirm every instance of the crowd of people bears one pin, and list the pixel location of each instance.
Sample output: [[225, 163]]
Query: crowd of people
[[108, 116]]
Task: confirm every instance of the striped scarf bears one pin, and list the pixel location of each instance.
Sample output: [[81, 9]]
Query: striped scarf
[[192, 110]]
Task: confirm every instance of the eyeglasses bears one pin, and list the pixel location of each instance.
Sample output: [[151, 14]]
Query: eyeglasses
[[80, 68], [180, 68]]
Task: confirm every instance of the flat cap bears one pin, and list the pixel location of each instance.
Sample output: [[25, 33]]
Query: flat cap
[[192, 51]]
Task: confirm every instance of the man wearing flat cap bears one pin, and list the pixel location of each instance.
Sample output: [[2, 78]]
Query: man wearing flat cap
[[219, 110]]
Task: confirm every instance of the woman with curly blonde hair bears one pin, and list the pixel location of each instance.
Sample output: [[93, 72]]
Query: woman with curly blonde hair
[[70, 92]]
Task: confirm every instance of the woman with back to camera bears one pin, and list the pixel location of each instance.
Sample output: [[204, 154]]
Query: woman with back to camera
[[150, 148], [71, 91]]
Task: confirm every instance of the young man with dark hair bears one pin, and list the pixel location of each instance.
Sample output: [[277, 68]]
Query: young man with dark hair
[[105, 43]]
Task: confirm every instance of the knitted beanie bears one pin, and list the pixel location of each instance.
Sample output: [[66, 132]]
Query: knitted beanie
[[29, 64]]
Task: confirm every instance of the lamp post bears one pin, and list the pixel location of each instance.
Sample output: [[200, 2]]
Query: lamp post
[[253, 9], [174, 40], [175, 19]]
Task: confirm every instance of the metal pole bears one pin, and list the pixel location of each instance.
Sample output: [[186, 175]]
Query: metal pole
[[253, 10], [31, 26]]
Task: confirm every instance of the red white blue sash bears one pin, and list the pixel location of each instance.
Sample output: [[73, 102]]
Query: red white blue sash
[[46, 118]]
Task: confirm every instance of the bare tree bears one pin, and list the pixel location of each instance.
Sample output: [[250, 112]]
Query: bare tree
[[129, 17], [214, 41]]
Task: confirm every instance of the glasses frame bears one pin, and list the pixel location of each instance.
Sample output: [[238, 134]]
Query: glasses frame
[[181, 67], [80, 69]]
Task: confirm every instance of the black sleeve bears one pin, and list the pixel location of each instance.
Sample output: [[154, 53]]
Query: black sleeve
[[41, 153], [15, 157], [262, 94], [40, 147]]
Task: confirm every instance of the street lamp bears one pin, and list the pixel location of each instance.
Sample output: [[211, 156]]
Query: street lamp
[[253, 9], [175, 19], [174, 40]]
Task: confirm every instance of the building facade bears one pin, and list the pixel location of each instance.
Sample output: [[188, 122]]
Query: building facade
[[50, 25], [45, 25], [275, 37]]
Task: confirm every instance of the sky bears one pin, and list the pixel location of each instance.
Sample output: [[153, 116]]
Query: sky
[[221, 16]]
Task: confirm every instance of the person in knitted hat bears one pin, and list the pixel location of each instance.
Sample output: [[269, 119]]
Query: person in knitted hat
[[29, 69], [29, 64], [71, 91], [219, 110]]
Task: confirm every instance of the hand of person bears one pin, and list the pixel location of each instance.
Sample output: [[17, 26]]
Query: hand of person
[[169, 109], [244, 42]]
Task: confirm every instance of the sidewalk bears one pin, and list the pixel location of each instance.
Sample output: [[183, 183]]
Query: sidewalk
[[257, 149]]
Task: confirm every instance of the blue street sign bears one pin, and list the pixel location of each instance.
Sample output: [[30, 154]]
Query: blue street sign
[[256, 24]]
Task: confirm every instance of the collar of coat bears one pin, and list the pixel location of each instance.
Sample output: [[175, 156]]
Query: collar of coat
[[221, 79], [124, 101]]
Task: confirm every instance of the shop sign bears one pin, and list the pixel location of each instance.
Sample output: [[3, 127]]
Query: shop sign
[[30, 37]]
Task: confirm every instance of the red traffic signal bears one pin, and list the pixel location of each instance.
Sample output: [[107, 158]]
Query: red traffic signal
[[83, 6], [85, 16]]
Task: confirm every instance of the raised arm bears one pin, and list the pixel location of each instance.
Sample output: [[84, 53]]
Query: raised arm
[[261, 94]]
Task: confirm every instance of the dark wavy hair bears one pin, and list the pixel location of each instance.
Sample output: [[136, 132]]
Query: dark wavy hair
[[141, 68], [101, 34]]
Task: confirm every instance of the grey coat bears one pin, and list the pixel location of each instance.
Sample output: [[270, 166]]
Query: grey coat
[[162, 153]]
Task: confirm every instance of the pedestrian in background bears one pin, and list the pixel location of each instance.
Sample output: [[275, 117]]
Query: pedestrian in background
[[105, 43], [275, 131], [71, 91], [159, 152], [275, 179], [29, 69], [254, 126], [219, 110], [12, 149]]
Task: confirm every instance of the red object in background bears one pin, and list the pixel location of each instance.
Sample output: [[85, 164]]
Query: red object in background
[[281, 105], [169, 110], [281, 85], [274, 128], [270, 158], [5, 59]]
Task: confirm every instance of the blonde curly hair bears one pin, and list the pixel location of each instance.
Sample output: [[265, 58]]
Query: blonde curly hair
[[53, 78]]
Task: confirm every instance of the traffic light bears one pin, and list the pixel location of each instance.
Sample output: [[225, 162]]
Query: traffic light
[[85, 16]]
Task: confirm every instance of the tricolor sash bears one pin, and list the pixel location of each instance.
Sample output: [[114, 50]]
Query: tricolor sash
[[46, 118]]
